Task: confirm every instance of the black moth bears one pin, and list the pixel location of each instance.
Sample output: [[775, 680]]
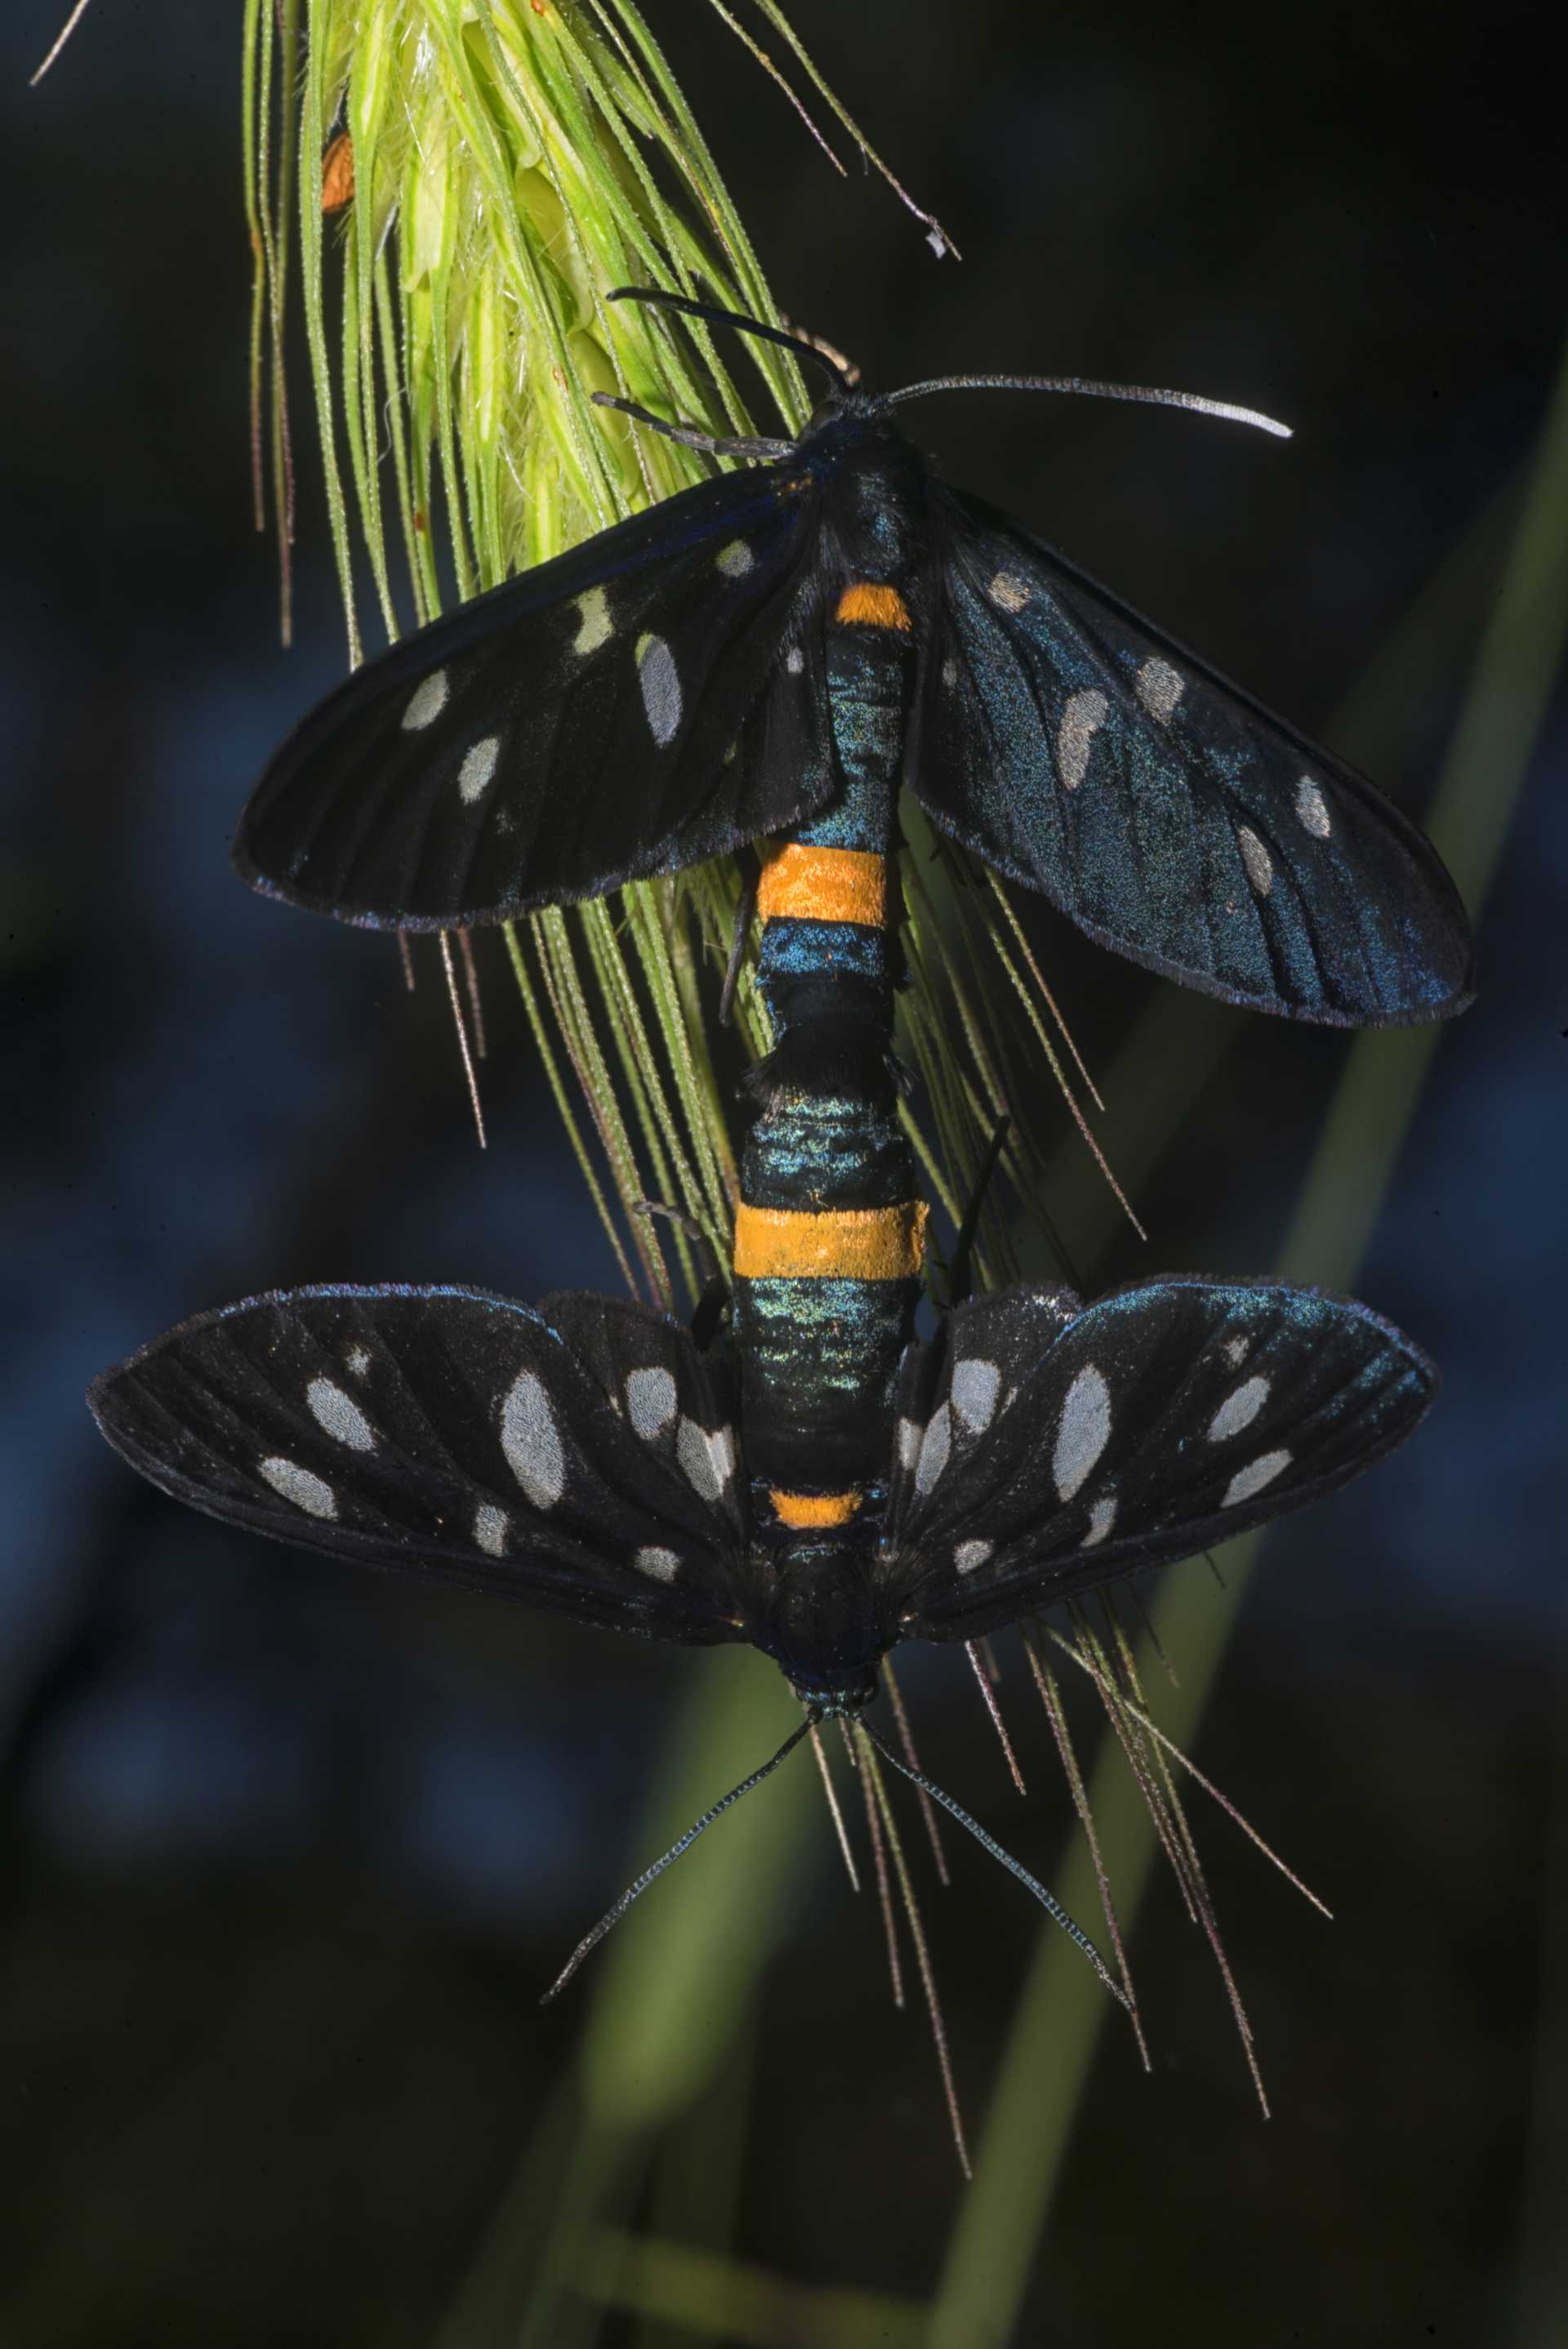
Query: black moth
[[589, 1457], [661, 695]]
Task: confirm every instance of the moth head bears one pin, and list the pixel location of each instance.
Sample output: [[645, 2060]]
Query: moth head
[[819, 1620]]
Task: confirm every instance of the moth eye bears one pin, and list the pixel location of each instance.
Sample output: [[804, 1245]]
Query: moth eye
[[427, 701], [478, 766], [1253, 1477], [595, 626], [1160, 688], [311, 1493], [1101, 1517], [1075, 736], [1082, 1432], [971, 1554], [660, 1563], [532, 1441], [491, 1528], [1238, 1410], [339, 1416], [1312, 808], [1257, 860], [661, 687]]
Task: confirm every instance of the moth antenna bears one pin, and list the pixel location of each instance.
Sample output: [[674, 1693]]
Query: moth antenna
[[463, 1037], [406, 957], [1144, 393], [472, 981], [1056, 1713], [906, 1739], [64, 35], [831, 1793], [714, 317], [884, 1887], [921, 1954], [693, 436], [1047, 1901], [987, 1690], [613, 1917]]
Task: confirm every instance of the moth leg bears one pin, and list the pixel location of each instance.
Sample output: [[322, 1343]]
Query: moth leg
[[709, 1312], [743, 914], [692, 436], [960, 1270]]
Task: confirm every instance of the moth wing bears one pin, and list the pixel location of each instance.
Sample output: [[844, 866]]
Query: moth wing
[[1080, 752], [656, 697], [453, 1433], [1165, 1416]]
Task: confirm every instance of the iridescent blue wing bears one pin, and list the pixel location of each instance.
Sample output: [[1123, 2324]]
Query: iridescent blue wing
[[1059, 1448], [581, 1457], [1079, 751], [656, 697]]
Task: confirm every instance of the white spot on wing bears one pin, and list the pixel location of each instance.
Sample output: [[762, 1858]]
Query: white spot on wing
[[426, 702], [532, 1441], [595, 626], [489, 1529], [1253, 1477], [312, 1494], [650, 1402], [1009, 591], [1160, 688], [1313, 808], [1235, 1350], [950, 672], [971, 1554], [1101, 1517], [660, 1563], [909, 1435], [340, 1416], [735, 560], [1257, 860], [477, 767], [1075, 736], [1238, 1410], [936, 1444], [707, 1459], [1082, 1432], [358, 1362], [661, 688], [794, 660], [974, 1389]]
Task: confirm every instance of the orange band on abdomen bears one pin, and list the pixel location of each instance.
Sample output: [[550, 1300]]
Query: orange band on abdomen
[[873, 606], [833, 1243], [822, 884], [804, 1512]]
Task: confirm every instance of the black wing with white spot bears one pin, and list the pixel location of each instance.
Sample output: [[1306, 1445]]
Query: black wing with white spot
[[1079, 751], [580, 1459], [1057, 1449], [654, 698]]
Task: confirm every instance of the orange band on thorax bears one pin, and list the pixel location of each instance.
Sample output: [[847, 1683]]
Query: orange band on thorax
[[873, 606], [832, 1244], [822, 884], [807, 1511]]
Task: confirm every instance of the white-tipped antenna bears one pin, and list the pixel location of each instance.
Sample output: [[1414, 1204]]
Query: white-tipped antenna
[[1147, 393]]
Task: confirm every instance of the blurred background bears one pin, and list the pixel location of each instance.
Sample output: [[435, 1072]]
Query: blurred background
[[290, 1852]]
